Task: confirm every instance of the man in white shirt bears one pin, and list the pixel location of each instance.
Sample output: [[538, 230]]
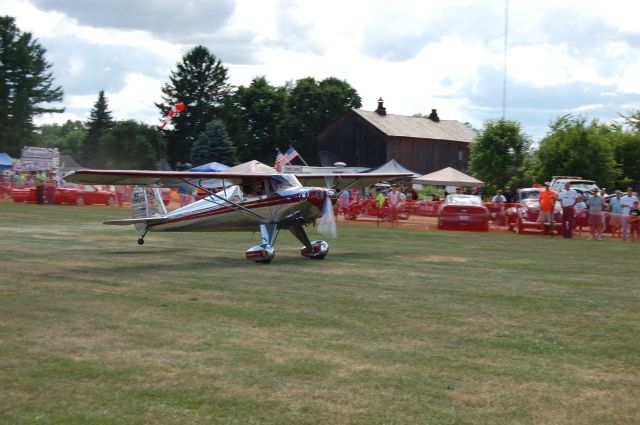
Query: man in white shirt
[[499, 199], [568, 199], [627, 203]]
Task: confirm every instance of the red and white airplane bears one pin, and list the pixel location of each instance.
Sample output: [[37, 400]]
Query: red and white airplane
[[237, 201]]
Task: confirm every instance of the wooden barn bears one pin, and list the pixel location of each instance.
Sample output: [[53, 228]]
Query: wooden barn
[[371, 138]]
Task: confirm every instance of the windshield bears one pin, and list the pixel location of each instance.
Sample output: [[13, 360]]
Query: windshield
[[529, 195], [463, 200], [283, 181], [584, 186]]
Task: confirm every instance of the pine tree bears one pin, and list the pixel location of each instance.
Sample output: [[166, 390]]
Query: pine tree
[[25, 85], [99, 122], [214, 145], [200, 82]]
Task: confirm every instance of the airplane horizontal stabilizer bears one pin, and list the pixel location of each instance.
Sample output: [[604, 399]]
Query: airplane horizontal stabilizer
[[129, 221]]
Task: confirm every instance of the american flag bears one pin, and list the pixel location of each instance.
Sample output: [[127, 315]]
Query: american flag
[[280, 160], [287, 157]]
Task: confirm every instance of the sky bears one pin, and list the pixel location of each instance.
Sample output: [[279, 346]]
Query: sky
[[563, 56]]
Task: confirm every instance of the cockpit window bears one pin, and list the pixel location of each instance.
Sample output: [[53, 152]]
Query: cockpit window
[[283, 181]]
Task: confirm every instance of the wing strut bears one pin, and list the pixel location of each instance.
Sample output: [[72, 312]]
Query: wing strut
[[238, 207]]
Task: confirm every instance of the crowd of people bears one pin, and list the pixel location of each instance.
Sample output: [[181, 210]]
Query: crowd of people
[[620, 213], [45, 184]]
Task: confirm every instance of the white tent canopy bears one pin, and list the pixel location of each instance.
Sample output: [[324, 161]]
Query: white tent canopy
[[251, 167], [449, 177]]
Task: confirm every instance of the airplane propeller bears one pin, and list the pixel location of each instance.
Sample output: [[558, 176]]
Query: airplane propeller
[[327, 220]]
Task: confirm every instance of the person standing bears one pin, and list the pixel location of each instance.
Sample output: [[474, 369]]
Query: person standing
[[580, 217], [634, 221], [395, 198], [627, 203], [498, 204], [344, 200], [51, 185], [548, 200], [568, 198], [596, 207], [18, 181], [39, 181], [508, 195], [615, 216]]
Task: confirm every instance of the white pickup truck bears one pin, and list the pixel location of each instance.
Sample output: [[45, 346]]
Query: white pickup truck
[[577, 183]]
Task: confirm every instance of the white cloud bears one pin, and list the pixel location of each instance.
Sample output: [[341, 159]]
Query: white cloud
[[564, 55]]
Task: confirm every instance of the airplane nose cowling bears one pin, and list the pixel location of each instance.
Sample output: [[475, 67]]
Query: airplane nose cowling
[[317, 196]]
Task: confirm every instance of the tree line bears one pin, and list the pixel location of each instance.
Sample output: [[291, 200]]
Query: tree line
[[236, 124], [608, 153]]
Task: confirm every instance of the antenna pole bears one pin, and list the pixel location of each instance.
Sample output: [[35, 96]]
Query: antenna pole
[[506, 43]]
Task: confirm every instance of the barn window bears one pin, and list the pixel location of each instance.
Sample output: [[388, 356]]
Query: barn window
[[460, 154]]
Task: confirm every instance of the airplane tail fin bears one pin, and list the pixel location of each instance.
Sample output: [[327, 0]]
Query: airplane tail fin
[[146, 202]]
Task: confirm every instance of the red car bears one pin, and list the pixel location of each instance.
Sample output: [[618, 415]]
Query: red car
[[463, 211], [70, 194]]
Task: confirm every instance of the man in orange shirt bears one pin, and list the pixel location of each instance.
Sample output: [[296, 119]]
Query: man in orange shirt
[[547, 205]]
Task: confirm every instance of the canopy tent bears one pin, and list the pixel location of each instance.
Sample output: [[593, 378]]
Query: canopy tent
[[251, 167], [210, 167], [394, 166], [448, 177], [5, 161]]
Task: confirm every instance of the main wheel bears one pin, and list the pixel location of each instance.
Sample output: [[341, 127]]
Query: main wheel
[[263, 261], [80, 200]]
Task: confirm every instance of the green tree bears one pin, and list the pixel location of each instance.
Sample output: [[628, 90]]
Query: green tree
[[311, 106], [132, 145], [632, 119], [26, 86], [577, 148], [99, 123], [67, 137], [214, 145], [253, 116], [627, 156], [498, 154], [200, 82]]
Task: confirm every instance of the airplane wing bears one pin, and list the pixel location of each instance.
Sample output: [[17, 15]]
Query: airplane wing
[[157, 178], [343, 180]]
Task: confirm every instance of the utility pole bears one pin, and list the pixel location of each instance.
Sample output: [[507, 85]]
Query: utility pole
[[506, 43]]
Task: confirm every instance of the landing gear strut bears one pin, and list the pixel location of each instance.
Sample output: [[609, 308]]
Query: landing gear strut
[[141, 238], [264, 252]]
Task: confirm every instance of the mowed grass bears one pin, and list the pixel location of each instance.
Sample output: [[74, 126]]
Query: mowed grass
[[396, 326]]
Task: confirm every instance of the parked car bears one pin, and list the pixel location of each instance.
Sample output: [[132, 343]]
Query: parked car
[[524, 214], [70, 194], [463, 211]]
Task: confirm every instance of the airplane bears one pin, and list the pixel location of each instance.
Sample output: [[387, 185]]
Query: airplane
[[237, 201]]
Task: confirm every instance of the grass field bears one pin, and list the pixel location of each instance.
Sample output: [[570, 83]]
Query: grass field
[[396, 326]]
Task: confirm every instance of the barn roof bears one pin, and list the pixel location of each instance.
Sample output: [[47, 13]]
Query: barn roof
[[418, 127]]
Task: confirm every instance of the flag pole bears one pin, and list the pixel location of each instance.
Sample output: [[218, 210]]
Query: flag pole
[[300, 156]]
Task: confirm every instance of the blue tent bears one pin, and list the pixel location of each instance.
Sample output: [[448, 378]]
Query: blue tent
[[5, 161], [210, 167]]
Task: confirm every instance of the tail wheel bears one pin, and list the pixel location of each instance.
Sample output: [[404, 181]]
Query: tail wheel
[[80, 200]]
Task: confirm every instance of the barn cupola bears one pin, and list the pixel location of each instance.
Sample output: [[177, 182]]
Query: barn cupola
[[381, 109], [433, 116]]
